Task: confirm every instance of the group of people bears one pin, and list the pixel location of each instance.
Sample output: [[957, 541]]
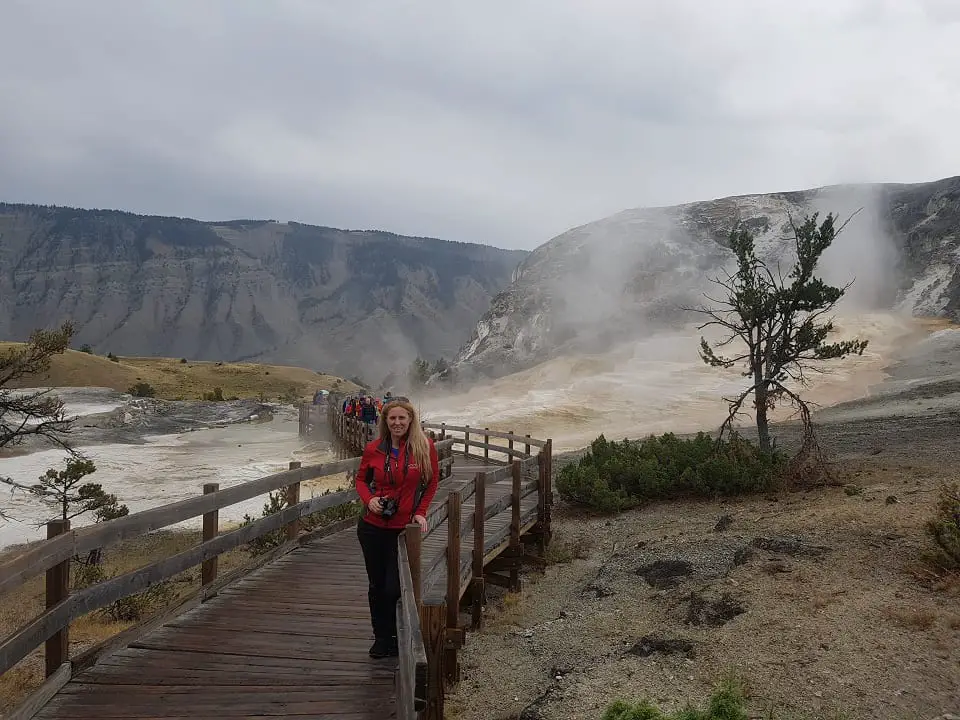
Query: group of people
[[397, 480], [367, 408]]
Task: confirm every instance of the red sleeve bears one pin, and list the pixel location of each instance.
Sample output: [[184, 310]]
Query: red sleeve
[[361, 480], [432, 485]]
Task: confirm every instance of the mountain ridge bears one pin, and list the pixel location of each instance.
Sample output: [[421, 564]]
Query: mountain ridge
[[349, 301]]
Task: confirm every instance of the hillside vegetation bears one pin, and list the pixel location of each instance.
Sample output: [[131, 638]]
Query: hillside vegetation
[[173, 379]]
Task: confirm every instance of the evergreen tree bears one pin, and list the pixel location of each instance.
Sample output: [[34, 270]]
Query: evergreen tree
[[779, 323]]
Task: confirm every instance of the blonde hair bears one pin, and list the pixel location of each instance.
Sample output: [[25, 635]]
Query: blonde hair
[[419, 445]]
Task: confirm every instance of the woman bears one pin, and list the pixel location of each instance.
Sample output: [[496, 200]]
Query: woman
[[396, 481]]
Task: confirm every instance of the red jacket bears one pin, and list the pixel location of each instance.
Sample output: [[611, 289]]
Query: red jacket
[[394, 485]]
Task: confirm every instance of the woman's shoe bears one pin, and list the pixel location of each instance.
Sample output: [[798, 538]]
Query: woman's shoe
[[380, 648]]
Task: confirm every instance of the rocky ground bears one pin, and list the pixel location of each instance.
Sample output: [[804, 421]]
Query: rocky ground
[[817, 599]]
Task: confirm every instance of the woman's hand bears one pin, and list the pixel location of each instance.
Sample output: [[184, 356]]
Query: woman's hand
[[374, 506], [421, 521]]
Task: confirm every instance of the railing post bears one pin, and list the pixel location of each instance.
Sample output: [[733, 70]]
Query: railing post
[[292, 495], [443, 431], [411, 536], [541, 504], [510, 444], [516, 552], [211, 526], [486, 442], [548, 495], [57, 648], [478, 591], [451, 667], [526, 447], [466, 440]]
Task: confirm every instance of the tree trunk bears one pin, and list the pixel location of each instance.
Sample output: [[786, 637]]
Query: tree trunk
[[763, 427]]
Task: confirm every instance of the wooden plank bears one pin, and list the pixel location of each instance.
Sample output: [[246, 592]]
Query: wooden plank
[[16, 646], [412, 659], [211, 526], [57, 588], [42, 695], [451, 666]]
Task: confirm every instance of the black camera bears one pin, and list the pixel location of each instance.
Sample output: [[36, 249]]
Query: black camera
[[388, 507]]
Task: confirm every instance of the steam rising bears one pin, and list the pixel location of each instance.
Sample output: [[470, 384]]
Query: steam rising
[[624, 358]]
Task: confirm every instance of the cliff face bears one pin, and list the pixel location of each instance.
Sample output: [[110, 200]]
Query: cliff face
[[635, 271], [350, 302]]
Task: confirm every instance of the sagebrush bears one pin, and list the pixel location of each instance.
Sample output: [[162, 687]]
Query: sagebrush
[[276, 502], [726, 703], [614, 476], [944, 529]]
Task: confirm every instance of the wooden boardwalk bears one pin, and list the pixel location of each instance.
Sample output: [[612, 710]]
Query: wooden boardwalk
[[290, 638]]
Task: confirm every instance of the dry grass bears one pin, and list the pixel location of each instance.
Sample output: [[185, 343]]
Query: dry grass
[[175, 380], [918, 619], [26, 602]]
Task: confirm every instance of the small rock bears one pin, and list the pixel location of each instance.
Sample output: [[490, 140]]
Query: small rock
[[775, 567], [650, 644], [891, 499], [665, 573], [723, 523], [712, 612], [789, 546], [600, 589]]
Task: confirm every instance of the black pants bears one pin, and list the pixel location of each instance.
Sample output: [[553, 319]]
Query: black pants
[[380, 556]]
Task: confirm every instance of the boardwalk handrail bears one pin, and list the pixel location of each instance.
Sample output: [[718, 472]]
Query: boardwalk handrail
[[440, 577], [55, 553], [412, 655], [485, 431]]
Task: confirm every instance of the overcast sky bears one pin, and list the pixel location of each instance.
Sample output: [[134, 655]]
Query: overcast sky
[[500, 122]]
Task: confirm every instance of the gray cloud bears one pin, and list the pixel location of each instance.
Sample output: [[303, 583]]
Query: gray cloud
[[497, 122]]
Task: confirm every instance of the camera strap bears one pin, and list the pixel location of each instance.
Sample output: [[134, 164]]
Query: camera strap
[[388, 474]]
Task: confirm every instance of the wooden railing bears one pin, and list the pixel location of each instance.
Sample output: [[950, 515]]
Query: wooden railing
[[439, 573], [53, 557]]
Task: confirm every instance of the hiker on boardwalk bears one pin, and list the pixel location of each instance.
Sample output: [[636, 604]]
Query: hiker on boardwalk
[[396, 481], [368, 411]]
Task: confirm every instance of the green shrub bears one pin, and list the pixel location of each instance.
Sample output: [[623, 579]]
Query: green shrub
[[614, 476], [136, 607], [276, 501], [290, 395], [142, 389], [215, 395], [112, 358], [128, 609], [944, 529], [85, 348], [726, 703]]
